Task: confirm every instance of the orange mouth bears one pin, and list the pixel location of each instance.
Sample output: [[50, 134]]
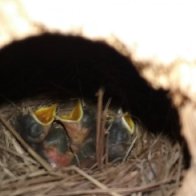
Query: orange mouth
[[45, 115]]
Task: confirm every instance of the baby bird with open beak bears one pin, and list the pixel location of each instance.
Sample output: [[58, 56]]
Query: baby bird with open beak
[[78, 123], [120, 133], [121, 129], [35, 125]]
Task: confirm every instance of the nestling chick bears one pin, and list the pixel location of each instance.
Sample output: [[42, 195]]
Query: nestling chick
[[34, 126], [78, 123], [120, 130], [56, 147]]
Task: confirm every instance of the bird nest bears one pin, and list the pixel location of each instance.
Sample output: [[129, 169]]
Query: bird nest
[[154, 166]]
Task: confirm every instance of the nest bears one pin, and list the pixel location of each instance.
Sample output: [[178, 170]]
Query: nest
[[154, 167]]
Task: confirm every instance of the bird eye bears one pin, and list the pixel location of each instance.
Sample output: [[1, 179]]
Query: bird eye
[[35, 130]]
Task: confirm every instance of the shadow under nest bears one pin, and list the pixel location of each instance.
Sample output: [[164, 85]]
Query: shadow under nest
[[65, 66]]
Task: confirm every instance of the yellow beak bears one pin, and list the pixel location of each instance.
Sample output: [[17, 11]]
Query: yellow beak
[[45, 115], [128, 122], [75, 115]]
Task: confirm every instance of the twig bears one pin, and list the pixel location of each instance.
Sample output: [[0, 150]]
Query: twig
[[23, 177], [25, 145], [11, 152], [106, 135], [129, 149], [29, 189], [6, 170], [28, 181], [94, 181], [144, 188], [99, 135]]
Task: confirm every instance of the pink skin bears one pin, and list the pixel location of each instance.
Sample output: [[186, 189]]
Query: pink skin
[[57, 159]]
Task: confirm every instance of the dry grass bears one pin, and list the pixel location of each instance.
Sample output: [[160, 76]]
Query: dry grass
[[154, 167]]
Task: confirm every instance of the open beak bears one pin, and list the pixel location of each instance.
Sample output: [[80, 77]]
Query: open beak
[[45, 115], [73, 124], [128, 122], [121, 131], [40, 123], [75, 115], [34, 126]]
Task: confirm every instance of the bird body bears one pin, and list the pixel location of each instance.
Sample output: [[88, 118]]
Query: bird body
[[34, 125], [56, 147], [121, 130]]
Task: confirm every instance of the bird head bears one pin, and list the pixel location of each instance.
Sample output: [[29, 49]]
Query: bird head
[[78, 122], [34, 125], [121, 130]]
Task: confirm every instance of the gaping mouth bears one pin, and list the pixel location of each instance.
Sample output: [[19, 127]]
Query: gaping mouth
[[75, 115], [45, 115]]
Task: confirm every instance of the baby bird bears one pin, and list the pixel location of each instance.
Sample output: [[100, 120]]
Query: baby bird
[[78, 123], [56, 147], [120, 135], [34, 126]]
